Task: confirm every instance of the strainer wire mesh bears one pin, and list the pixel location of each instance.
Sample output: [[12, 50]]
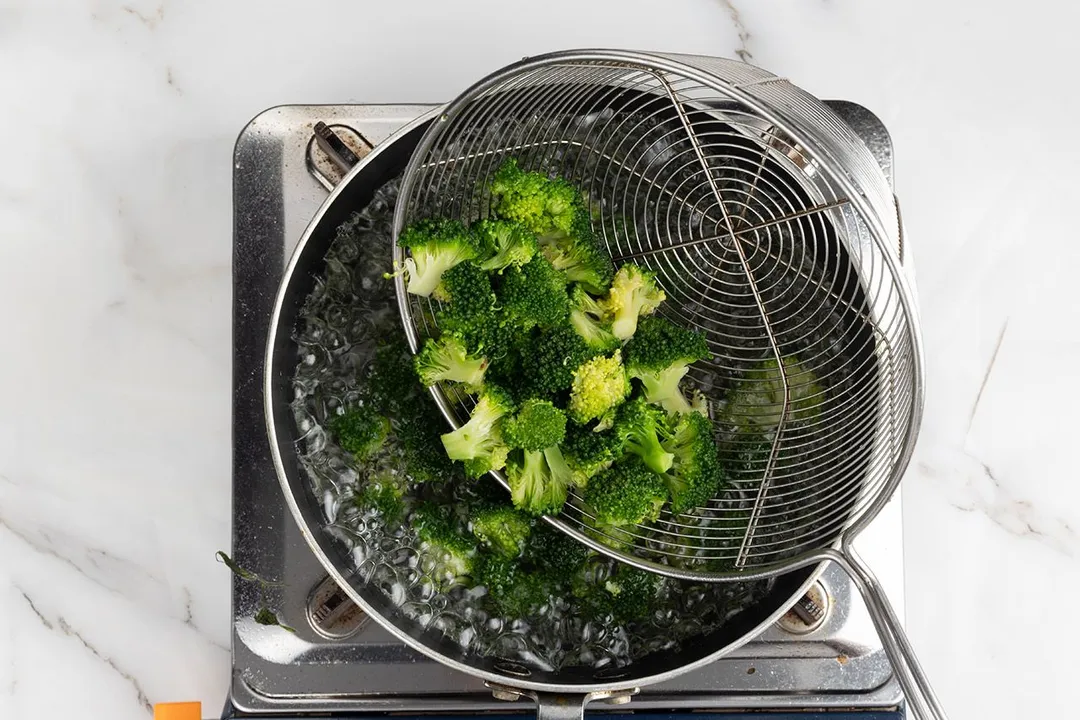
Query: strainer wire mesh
[[756, 243]]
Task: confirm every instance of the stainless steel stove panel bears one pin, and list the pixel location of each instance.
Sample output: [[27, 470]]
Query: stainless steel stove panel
[[280, 179]]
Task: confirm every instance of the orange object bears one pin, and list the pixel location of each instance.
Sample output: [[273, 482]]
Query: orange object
[[178, 711]]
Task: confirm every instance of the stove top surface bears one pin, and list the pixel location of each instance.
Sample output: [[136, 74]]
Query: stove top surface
[[280, 178]]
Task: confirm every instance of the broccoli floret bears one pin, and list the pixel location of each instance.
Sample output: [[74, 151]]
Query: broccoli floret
[[554, 355], [537, 425], [629, 594], [539, 483], [694, 477], [360, 430], [599, 385], [434, 247], [535, 293], [634, 293], [384, 495], [478, 443], [467, 287], [503, 529], [578, 254], [512, 591], [759, 397], [589, 451], [659, 355], [391, 382], [447, 556], [508, 243], [539, 203], [553, 550], [588, 318], [638, 423], [418, 429], [446, 359], [627, 493]]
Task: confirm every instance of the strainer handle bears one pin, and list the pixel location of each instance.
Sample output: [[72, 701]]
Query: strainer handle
[[561, 706], [922, 701]]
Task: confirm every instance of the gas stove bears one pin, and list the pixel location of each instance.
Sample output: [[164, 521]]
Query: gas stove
[[823, 656]]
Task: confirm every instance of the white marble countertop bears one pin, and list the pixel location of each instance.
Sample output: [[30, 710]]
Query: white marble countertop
[[116, 129]]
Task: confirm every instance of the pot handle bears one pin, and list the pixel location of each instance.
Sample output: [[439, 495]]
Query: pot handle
[[922, 700], [561, 706]]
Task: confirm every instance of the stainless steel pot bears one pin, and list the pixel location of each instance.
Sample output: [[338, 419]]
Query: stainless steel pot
[[561, 694]]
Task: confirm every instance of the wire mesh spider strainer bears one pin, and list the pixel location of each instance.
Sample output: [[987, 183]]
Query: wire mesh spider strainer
[[774, 232]]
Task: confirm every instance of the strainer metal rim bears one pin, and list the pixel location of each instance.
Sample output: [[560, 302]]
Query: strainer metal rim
[[860, 517]]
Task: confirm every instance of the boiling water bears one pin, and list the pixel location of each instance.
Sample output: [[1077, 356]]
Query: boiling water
[[351, 306]]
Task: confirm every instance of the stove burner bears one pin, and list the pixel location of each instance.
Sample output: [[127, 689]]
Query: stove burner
[[338, 660]]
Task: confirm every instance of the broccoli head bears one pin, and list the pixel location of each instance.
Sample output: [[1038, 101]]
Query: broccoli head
[[550, 363], [512, 591], [588, 318], [360, 430], [446, 359], [627, 493], [478, 443], [537, 425], [659, 355], [694, 477], [507, 242], [578, 254], [628, 594], [467, 287], [384, 495], [539, 483], [554, 550], [535, 293], [599, 385], [418, 428], [503, 529], [589, 451], [536, 201], [434, 247], [633, 294], [758, 397], [447, 556], [638, 423], [391, 379]]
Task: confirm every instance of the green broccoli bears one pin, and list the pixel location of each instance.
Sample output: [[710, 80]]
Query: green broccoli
[[503, 529], [478, 443], [638, 423], [578, 254], [659, 355], [509, 242], [391, 378], [384, 495], [627, 493], [447, 556], [538, 484], [535, 293], [758, 397], [434, 247], [418, 428], [467, 287], [588, 318], [360, 430], [589, 451], [633, 294], [554, 550], [539, 203], [628, 594], [446, 359], [512, 591], [548, 366], [599, 385], [694, 477]]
